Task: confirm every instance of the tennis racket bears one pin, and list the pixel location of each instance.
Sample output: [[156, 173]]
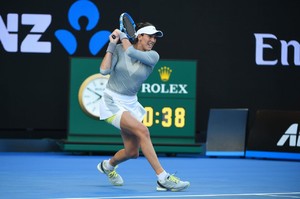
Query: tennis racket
[[127, 26]]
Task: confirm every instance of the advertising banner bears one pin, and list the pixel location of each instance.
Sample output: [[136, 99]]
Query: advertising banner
[[275, 134]]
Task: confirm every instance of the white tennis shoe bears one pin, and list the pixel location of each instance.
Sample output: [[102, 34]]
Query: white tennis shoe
[[172, 183], [113, 177]]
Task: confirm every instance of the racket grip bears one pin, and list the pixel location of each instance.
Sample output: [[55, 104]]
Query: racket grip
[[113, 36]]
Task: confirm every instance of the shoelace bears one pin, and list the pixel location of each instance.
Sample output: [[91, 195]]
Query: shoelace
[[174, 178], [113, 174]]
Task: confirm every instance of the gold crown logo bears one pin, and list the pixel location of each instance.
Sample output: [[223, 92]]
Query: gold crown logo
[[164, 73]]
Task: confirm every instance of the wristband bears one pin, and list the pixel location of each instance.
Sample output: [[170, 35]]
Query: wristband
[[123, 36], [111, 47]]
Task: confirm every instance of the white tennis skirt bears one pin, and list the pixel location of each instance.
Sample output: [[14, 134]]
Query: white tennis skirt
[[113, 103]]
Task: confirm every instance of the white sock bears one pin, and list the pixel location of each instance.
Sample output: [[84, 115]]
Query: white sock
[[162, 176], [108, 166]]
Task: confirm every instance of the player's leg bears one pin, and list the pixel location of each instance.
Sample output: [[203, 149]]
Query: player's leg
[[109, 166], [132, 126], [130, 151], [166, 182]]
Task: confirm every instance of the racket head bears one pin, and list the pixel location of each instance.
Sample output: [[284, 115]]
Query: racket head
[[127, 25]]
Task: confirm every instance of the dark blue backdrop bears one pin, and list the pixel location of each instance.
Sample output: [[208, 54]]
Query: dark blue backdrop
[[218, 34]]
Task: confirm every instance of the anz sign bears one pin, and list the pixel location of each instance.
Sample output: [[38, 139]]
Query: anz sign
[[32, 43]]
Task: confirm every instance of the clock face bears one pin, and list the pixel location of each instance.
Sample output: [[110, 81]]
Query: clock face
[[90, 93]]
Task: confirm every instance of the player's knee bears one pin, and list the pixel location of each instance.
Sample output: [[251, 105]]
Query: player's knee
[[144, 131], [133, 154]]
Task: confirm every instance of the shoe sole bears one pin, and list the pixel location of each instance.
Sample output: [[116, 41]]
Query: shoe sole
[[159, 188]]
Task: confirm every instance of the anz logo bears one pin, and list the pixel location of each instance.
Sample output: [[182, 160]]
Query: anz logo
[[32, 43], [83, 8]]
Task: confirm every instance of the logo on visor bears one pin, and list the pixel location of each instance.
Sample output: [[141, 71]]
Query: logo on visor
[[88, 10]]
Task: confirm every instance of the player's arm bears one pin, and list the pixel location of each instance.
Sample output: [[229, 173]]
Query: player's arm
[[105, 66], [125, 41], [149, 58]]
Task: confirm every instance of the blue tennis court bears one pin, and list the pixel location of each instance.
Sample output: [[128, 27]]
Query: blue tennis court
[[66, 176]]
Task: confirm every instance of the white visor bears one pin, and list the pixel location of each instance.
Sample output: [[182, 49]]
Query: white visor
[[149, 30]]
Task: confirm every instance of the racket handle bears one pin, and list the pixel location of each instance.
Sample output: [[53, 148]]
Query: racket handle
[[113, 36]]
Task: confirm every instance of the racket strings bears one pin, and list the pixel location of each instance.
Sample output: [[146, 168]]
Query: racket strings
[[129, 28]]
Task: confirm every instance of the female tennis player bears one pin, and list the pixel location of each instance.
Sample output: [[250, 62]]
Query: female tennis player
[[129, 65]]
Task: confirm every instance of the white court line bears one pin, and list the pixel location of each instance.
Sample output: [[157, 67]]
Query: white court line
[[284, 196], [193, 196]]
